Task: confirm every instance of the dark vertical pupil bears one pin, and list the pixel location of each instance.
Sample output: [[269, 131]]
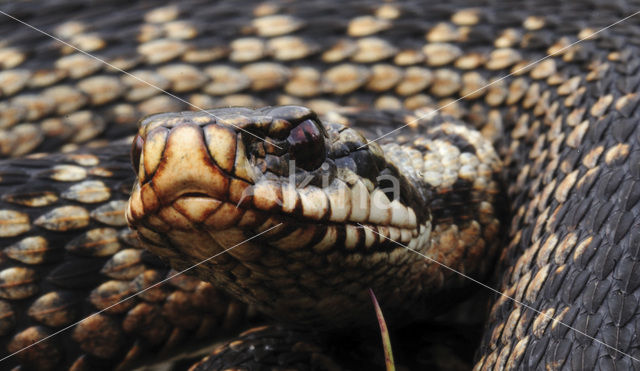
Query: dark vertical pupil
[[306, 145], [136, 152]]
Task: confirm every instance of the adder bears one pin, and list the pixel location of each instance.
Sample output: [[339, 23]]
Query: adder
[[457, 106]]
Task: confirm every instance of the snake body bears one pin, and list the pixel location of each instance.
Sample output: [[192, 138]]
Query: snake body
[[565, 128]]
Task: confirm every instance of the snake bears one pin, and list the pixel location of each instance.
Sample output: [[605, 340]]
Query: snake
[[289, 156]]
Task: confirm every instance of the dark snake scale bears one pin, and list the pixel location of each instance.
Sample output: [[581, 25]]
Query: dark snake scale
[[259, 125]]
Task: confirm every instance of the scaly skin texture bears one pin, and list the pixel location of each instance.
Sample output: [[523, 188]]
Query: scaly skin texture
[[209, 180], [566, 129], [67, 253]]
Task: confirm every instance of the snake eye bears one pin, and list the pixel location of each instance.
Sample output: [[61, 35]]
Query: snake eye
[[136, 152], [306, 145]]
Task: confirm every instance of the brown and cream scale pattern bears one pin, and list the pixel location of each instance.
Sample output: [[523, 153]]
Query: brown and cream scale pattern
[[567, 127], [206, 183], [67, 253], [573, 158], [243, 55]]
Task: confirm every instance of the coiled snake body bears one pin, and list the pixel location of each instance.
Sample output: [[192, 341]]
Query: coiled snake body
[[565, 128]]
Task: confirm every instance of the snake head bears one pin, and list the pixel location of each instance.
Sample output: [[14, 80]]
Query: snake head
[[328, 207]]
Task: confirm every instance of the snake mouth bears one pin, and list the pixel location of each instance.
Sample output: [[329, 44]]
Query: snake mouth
[[194, 195], [280, 162]]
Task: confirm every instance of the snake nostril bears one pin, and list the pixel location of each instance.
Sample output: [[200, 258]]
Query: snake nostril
[[306, 145], [136, 152]]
